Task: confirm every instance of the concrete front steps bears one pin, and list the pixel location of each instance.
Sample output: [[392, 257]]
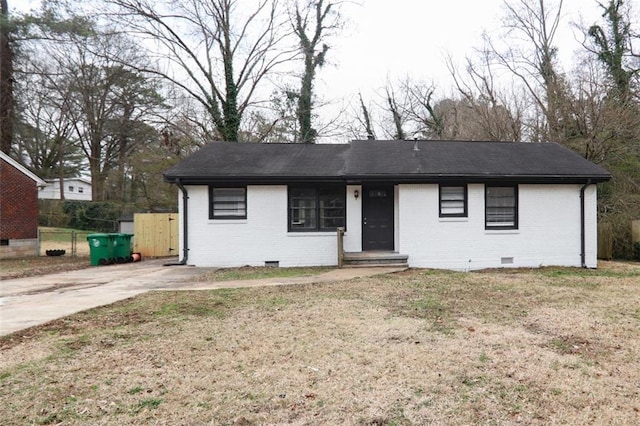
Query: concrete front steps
[[368, 259]]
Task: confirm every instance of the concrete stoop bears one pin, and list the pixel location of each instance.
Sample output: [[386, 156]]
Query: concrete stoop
[[368, 259]]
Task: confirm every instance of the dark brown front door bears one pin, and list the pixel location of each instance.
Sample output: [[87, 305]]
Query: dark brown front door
[[377, 218]]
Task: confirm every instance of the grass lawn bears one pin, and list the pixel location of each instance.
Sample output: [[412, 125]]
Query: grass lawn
[[548, 346], [252, 273]]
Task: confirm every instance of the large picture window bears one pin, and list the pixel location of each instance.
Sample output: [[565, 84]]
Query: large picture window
[[228, 203], [453, 201], [501, 207], [314, 208]]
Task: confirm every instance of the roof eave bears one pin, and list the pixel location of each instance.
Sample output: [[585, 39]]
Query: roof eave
[[396, 178], [38, 181], [474, 178], [262, 180]]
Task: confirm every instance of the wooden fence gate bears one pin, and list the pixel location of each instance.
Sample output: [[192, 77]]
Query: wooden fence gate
[[155, 234]]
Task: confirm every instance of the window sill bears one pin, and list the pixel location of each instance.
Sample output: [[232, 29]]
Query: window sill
[[227, 221], [453, 219], [501, 231], [312, 234]]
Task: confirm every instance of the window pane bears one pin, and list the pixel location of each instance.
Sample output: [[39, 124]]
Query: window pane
[[452, 192], [302, 206], [303, 219], [497, 216], [501, 197], [331, 208], [331, 218], [451, 208], [501, 206], [452, 201], [377, 193], [316, 209], [229, 202]]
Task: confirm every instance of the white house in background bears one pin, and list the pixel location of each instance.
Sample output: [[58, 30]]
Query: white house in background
[[74, 189], [432, 204]]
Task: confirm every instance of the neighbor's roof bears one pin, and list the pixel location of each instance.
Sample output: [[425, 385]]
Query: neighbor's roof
[[398, 161], [71, 179]]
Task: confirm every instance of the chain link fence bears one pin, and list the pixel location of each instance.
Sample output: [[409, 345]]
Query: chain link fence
[[68, 242]]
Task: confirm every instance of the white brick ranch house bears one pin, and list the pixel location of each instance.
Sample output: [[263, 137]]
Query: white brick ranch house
[[435, 204]]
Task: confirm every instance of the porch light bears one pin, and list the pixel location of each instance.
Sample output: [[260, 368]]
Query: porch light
[[356, 194]]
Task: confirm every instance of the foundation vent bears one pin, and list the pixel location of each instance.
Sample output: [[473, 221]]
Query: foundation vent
[[506, 260]]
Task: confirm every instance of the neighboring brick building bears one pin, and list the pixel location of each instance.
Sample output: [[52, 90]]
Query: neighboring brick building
[[18, 209]]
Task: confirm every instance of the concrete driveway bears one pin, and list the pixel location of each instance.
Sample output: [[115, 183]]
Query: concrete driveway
[[26, 302]]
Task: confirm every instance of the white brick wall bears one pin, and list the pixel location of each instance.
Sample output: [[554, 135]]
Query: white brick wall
[[353, 234], [548, 229], [548, 234], [262, 237]]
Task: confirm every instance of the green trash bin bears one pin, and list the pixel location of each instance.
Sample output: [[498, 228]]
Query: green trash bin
[[100, 248], [122, 247]]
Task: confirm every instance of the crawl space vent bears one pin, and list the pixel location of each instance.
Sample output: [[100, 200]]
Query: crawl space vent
[[506, 260], [272, 263]]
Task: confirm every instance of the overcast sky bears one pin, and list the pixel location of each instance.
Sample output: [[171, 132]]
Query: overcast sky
[[398, 37], [393, 39]]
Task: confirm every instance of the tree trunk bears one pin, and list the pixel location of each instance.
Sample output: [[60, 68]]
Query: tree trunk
[[6, 81], [313, 59], [307, 133], [397, 119], [367, 120]]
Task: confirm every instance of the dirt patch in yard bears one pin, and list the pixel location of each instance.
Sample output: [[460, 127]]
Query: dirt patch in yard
[[551, 346], [32, 266]]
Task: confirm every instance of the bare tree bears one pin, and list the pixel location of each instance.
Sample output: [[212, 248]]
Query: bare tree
[[221, 52], [312, 24], [535, 24], [420, 111], [591, 130], [613, 47], [397, 113], [45, 128], [106, 102], [497, 114]]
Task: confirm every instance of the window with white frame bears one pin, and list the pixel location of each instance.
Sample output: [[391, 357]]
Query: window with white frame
[[453, 200], [80, 189], [70, 188], [501, 207], [228, 203]]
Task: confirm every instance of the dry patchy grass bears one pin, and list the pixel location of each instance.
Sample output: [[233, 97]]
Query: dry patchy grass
[[259, 272], [549, 346], [31, 266], [50, 239]]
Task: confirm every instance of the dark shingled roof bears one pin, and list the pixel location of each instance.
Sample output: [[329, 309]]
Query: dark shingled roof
[[397, 161]]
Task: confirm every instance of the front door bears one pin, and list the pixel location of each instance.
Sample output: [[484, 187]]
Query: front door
[[377, 218]]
